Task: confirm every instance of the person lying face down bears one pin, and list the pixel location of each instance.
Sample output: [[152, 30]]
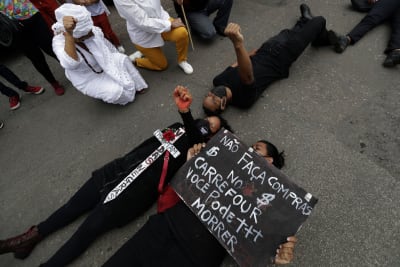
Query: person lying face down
[[242, 83], [176, 237]]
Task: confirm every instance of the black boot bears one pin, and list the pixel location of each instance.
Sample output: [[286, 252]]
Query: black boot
[[339, 42], [21, 245], [306, 12], [392, 59]]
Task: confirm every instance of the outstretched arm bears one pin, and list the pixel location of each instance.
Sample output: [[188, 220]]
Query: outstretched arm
[[243, 59]]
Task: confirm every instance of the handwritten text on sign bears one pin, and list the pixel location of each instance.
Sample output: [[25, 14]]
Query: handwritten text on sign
[[248, 205]]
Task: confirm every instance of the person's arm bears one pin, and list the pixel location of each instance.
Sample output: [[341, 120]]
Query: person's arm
[[243, 59], [69, 25], [183, 99]]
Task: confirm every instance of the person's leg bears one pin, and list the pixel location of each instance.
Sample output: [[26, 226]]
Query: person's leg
[[97, 223], [381, 11], [393, 48], [7, 91], [181, 39], [12, 78], [153, 245], [38, 33], [305, 32], [153, 58], [102, 22], [222, 18], [394, 42], [201, 24], [82, 201]]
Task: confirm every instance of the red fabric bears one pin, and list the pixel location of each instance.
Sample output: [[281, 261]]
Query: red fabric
[[102, 22], [167, 198]]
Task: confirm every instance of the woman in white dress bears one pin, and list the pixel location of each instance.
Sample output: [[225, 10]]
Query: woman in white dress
[[91, 62]]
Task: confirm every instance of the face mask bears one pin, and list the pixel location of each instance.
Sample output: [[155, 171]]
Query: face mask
[[203, 126], [219, 91]]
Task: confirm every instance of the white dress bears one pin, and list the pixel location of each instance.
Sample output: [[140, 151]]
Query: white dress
[[106, 74]]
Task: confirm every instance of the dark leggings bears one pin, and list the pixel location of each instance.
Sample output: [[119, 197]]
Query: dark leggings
[[102, 217], [7, 74], [381, 11], [34, 37]]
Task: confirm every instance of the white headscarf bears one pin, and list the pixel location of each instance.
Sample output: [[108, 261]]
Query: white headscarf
[[83, 17]]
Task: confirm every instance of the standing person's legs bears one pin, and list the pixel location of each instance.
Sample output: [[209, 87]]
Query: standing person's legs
[[37, 32], [181, 39], [381, 11], [12, 78], [153, 58], [7, 91], [102, 22]]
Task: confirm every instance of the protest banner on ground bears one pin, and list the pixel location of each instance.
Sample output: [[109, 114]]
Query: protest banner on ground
[[250, 206]]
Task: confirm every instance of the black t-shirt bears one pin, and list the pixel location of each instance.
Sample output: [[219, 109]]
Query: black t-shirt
[[267, 68], [194, 238]]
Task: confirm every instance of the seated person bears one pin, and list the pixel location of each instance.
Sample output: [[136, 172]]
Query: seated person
[[176, 237], [242, 83], [381, 11], [131, 203], [198, 12], [91, 62]]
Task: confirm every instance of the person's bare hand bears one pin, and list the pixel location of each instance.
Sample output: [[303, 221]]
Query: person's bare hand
[[176, 23], [69, 24], [193, 151], [234, 33], [183, 98], [284, 254]]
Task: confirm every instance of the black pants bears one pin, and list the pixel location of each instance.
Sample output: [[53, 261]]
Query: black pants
[[135, 200], [283, 49], [153, 245], [383, 10], [34, 37], [11, 78]]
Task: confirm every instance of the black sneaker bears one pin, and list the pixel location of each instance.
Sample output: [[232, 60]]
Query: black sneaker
[[392, 59]]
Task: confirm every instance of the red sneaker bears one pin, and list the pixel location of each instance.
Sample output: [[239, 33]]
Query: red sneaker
[[34, 89], [58, 89], [14, 102]]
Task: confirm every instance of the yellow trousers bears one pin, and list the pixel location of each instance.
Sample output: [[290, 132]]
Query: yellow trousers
[[154, 58]]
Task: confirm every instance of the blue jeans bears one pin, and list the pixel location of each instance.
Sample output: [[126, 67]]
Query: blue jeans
[[201, 24], [11, 78]]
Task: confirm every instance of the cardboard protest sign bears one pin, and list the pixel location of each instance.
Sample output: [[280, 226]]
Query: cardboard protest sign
[[250, 206]]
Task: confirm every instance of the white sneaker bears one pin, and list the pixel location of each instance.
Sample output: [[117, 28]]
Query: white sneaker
[[186, 67], [135, 56], [121, 49]]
